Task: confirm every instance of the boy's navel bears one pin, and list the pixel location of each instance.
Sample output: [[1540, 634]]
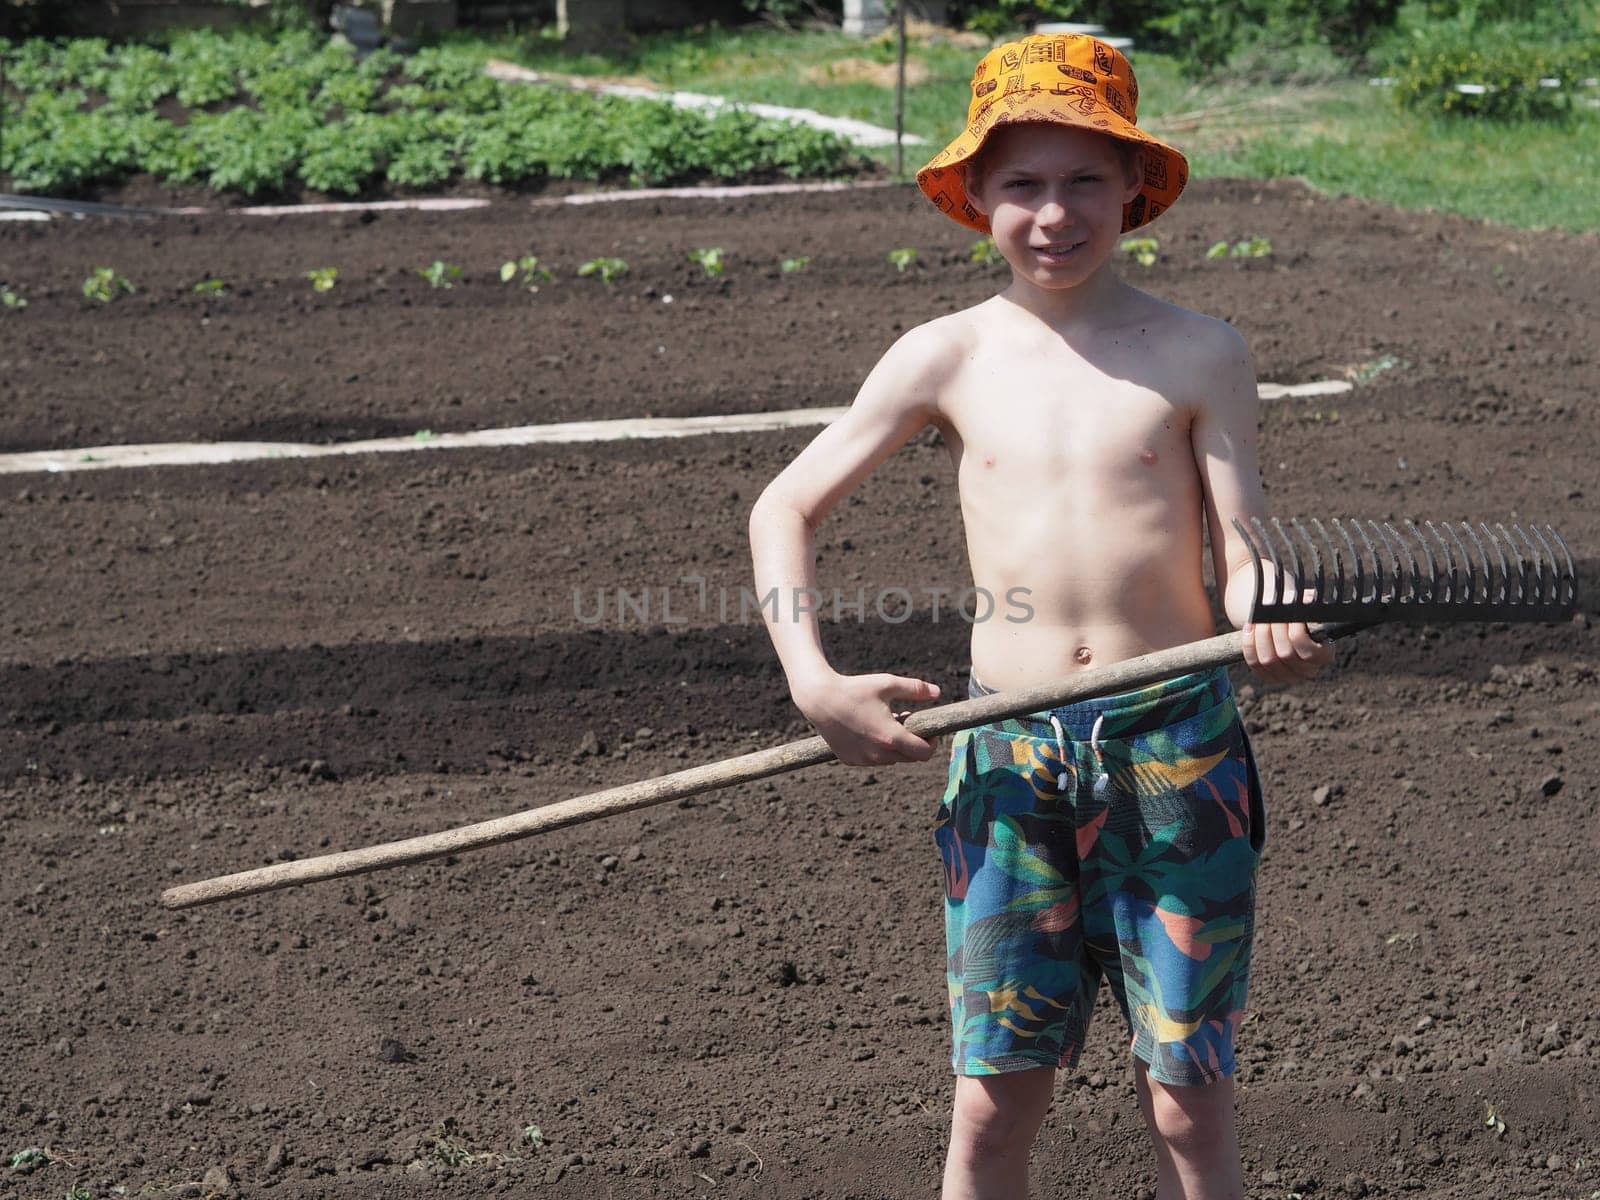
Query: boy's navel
[[988, 460], [1084, 656]]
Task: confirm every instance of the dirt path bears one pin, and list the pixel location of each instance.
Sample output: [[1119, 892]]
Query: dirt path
[[211, 668]]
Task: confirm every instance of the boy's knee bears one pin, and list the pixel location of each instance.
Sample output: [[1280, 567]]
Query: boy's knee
[[996, 1120], [1190, 1120]]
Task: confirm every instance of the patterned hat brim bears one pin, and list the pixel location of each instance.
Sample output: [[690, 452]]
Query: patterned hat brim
[[1166, 170]]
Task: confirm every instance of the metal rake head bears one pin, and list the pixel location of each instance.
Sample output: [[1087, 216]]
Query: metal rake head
[[1370, 571]]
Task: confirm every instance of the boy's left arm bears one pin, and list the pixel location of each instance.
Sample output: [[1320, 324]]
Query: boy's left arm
[[1224, 436]]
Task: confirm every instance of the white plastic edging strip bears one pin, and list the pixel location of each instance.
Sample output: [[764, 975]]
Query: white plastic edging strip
[[729, 192], [862, 133], [173, 454], [179, 454], [464, 203], [421, 204], [1304, 391]]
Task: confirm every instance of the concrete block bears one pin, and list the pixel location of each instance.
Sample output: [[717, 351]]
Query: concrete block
[[591, 22], [865, 18], [408, 18]]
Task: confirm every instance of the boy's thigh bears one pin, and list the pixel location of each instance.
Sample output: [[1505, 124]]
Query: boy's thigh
[[1021, 988], [1169, 891]]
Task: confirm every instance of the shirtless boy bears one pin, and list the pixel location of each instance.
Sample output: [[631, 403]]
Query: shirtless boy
[[1093, 428]]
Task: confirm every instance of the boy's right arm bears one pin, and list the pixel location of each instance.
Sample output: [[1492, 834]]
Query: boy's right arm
[[856, 714]]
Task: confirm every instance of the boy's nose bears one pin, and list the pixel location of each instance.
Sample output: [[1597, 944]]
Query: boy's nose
[[1052, 213]]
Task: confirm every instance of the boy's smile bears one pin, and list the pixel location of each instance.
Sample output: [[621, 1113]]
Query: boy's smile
[[1054, 197]]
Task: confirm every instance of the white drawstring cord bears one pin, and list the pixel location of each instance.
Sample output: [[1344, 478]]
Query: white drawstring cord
[[1061, 753], [1102, 781]]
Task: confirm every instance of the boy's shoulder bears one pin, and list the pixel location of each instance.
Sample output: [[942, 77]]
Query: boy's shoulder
[[933, 349], [1183, 330]]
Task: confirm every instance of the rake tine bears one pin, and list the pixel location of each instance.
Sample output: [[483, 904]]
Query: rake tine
[[1540, 551], [1427, 551], [1522, 569], [1483, 557], [1570, 579], [1466, 565], [1377, 567], [1397, 584], [1555, 563], [1270, 554], [1304, 584], [1505, 571], [1297, 572], [1449, 565], [1355, 557], [1280, 566], [1413, 581], [1333, 557], [1255, 557]]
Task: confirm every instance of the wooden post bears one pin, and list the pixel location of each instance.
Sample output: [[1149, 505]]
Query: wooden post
[[900, 94]]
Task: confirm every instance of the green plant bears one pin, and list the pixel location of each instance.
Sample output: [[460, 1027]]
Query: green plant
[[343, 157], [985, 252], [26, 1160], [1145, 250], [533, 1137], [441, 274], [793, 266], [1367, 371], [79, 1192], [323, 278], [999, 17], [271, 113], [609, 269], [527, 271], [450, 1148], [710, 260], [105, 285], [902, 258], [1467, 66], [1256, 247], [452, 1153], [10, 299], [210, 287], [423, 435], [786, 13], [1205, 35]]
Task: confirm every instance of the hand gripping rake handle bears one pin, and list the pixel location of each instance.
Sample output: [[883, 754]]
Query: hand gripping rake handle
[[1468, 590]]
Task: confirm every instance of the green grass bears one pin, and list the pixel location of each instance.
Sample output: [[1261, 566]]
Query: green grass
[[1349, 138], [1339, 134], [771, 66]]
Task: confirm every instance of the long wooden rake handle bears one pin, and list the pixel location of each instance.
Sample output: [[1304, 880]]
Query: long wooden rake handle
[[1222, 650]]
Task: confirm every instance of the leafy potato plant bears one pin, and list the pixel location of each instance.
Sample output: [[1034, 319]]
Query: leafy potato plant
[[269, 114]]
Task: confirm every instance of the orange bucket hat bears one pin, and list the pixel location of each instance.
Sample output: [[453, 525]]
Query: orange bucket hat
[[1067, 78]]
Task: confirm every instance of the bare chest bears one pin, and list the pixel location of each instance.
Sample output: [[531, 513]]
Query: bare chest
[[1048, 428]]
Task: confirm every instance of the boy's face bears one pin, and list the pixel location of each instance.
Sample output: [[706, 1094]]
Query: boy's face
[[1054, 196]]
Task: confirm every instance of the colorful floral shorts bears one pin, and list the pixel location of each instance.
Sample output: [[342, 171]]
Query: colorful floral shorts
[[1117, 837]]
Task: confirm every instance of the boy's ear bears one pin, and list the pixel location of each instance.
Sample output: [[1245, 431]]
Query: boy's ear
[[971, 183], [1133, 176]]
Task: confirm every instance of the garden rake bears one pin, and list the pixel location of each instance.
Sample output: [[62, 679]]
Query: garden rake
[[1347, 577]]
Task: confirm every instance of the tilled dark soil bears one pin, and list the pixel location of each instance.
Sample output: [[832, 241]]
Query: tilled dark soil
[[208, 669]]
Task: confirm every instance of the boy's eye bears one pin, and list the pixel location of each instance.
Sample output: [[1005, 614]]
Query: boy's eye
[[1019, 183]]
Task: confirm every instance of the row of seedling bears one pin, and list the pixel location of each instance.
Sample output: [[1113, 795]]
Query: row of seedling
[[1145, 250], [105, 284]]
